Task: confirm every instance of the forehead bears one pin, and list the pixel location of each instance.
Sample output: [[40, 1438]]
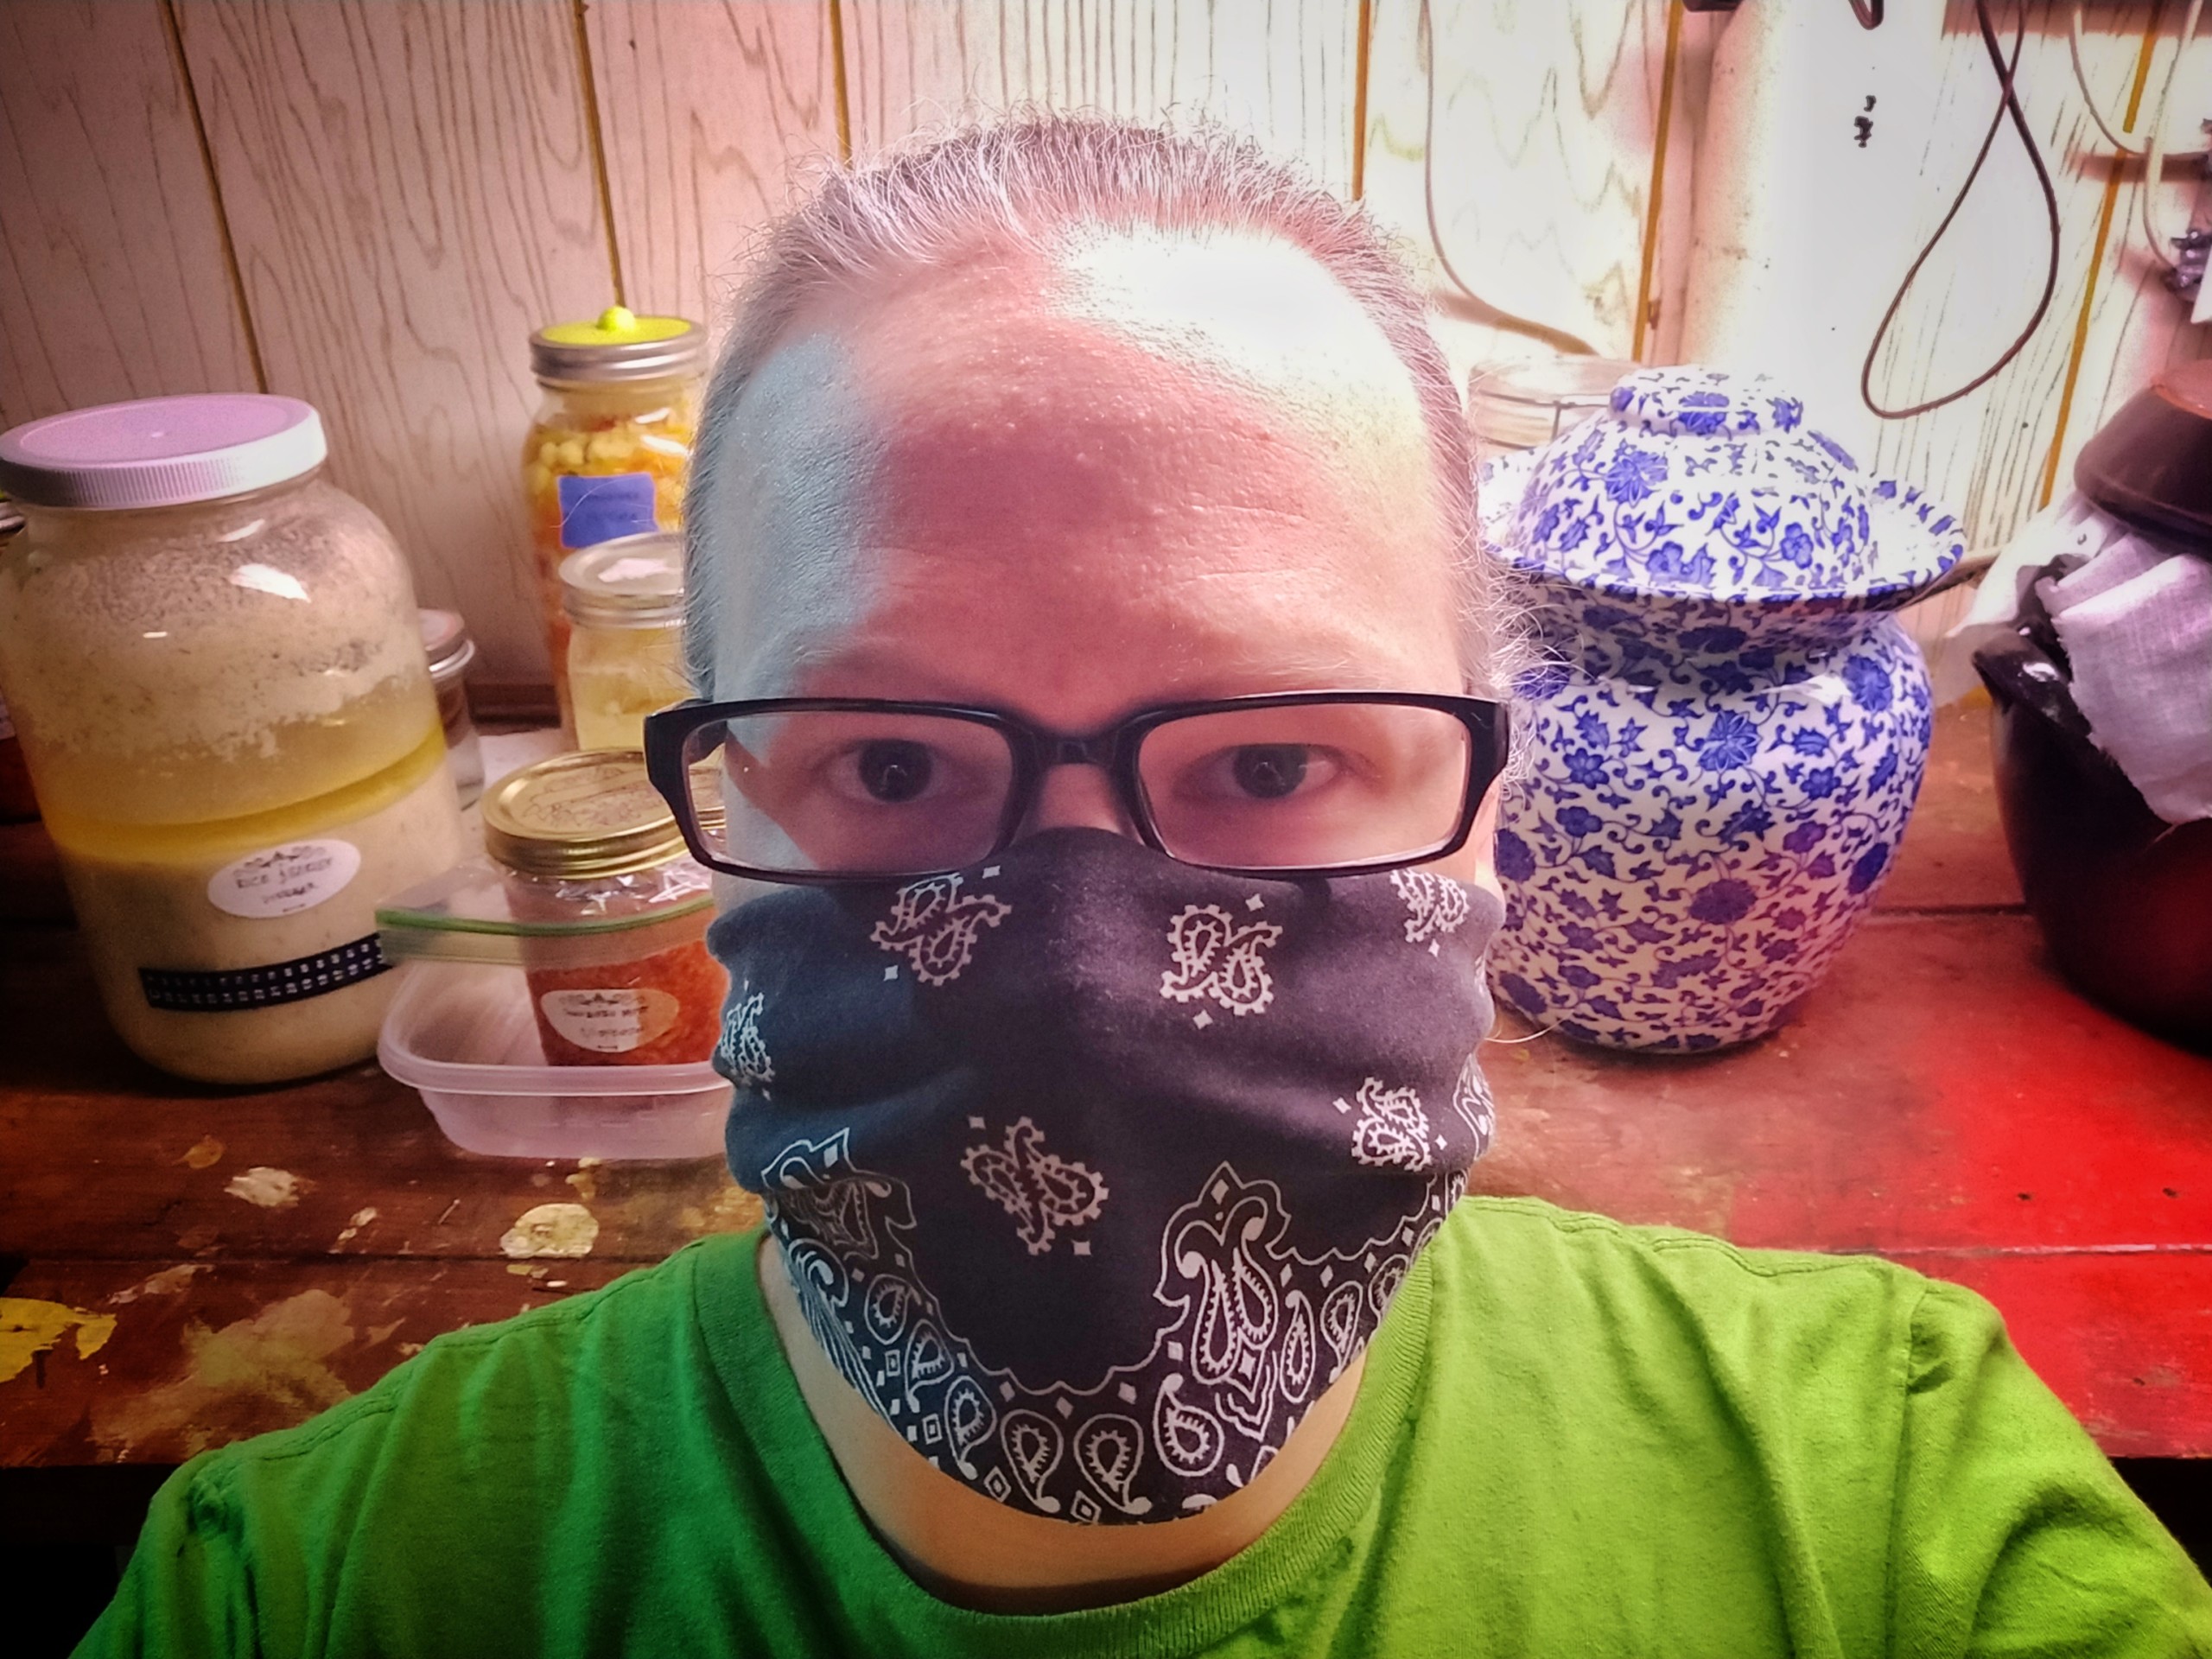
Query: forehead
[[1201, 448]]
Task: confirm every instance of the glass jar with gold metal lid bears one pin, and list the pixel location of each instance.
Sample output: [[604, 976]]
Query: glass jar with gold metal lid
[[586, 838], [609, 451]]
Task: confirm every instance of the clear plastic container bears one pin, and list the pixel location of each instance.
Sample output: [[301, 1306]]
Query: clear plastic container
[[625, 598], [465, 1036], [559, 998]]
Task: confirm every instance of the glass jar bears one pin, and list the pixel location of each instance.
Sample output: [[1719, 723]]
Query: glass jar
[[624, 602], [17, 804], [1519, 405], [585, 837], [610, 448], [446, 642], [214, 659]]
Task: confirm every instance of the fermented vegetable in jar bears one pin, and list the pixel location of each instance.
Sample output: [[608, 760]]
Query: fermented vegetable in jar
[[610, 449], [586, 837], [214, 662], [625, 600]]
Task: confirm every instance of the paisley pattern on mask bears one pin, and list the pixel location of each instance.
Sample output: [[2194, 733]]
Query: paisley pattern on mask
[[935, 928], [1471, 1099], [1252, 1324], [1218, 958], [1097, 1192], [1392, 1127], [1438, 905], [1041, 1190], [745, 1057]]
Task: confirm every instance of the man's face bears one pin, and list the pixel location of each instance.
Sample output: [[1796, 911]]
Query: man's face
[[1148, 470]]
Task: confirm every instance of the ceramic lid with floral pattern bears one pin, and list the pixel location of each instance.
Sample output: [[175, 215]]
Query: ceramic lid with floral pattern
[[1697, 483]]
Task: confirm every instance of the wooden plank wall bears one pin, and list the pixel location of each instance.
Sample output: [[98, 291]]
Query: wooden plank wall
[[371, 203]]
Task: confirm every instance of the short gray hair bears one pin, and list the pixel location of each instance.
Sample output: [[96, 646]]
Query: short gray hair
[[1020, 183]]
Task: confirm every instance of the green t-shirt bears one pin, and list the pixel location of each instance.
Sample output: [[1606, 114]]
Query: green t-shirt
[[1573, 1437]]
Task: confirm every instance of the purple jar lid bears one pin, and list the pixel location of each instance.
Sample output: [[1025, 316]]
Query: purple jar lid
[[161, 452]]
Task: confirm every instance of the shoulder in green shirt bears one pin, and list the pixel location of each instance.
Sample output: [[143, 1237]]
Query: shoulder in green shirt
[[1573, 1437]]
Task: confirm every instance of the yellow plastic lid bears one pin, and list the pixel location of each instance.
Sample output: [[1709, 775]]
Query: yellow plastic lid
[[617, 345]]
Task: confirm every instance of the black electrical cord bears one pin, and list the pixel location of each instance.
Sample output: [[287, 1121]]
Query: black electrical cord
[[2008, 104]]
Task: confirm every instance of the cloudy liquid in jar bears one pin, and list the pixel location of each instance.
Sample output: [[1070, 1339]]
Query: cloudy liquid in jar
[[228, 716]]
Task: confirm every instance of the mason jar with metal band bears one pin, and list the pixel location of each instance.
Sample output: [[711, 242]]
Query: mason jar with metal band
[[214, 658], [585, 837], [451, 652], [610, 449], [625, 600]]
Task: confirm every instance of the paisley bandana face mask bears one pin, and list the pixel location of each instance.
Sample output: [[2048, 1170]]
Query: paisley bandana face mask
[[1093, 1170]]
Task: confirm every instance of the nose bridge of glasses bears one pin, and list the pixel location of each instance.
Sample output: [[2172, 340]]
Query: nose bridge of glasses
[[1061, 750]]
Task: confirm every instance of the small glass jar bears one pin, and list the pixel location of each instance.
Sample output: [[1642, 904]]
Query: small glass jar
[[609, 450], [1519, 405], [624, 602], [215, 665], [447, 643], [586, 837]]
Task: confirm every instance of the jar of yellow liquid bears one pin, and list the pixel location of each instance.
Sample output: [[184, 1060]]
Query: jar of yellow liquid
[[624, 604], [214, 661], [610, 449]]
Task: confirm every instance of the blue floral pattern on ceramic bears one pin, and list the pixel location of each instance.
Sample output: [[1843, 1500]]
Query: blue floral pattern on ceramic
[[1730, 728]]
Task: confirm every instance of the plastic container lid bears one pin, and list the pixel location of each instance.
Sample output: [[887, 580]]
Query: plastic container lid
[[594, 813], [446, 644], [464, 1037], [633, 581], [618, 345], [162, 452]]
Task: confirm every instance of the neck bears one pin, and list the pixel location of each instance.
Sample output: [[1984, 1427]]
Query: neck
[[963, 1548]]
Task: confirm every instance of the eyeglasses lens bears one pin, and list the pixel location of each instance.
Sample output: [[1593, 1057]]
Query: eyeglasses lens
[[1299, 787], [1305, 785], [857, 793]]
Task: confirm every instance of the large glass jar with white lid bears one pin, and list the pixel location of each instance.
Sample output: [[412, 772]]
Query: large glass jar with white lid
[[213, 657]]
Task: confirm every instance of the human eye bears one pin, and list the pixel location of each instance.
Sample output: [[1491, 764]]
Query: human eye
[[1260, 775], [886, 771]]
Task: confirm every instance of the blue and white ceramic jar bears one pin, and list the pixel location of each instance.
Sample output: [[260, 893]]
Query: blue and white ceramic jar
[[1729, 724]]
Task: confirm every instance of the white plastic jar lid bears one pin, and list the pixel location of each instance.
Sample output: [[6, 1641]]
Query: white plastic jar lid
[[162, 452]]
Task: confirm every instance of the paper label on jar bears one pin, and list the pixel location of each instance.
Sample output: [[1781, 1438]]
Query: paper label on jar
[[284, 880], [611, 1022], [597, 508]]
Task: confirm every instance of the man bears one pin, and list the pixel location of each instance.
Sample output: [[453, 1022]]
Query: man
[[1099, 684]]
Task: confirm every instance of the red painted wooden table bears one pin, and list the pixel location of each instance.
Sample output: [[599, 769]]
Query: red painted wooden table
[[1942, 1099]]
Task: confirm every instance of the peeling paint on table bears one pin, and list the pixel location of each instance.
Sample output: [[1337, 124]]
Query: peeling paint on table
[[558, 1230], [224, 1380], [29, 1327], [272, 1189]]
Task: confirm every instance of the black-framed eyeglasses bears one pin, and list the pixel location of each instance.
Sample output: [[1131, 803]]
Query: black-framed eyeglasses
[[862, 789]]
